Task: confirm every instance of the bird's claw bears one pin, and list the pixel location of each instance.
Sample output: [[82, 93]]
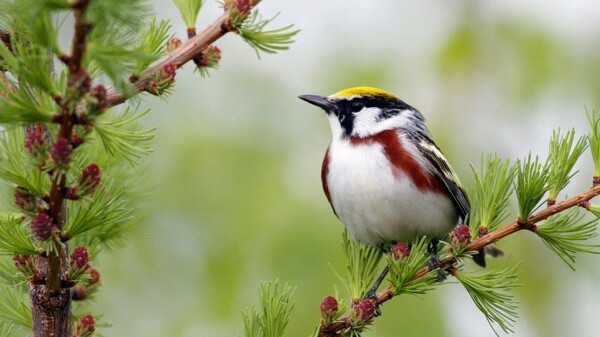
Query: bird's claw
[[434, 264], [371, 295]]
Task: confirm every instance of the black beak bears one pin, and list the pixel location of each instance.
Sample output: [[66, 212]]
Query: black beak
[[320, 101]]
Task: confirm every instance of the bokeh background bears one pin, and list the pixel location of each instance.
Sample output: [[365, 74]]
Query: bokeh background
[[236, 167]]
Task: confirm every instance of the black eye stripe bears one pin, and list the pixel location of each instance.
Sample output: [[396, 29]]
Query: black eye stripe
[[348, 109]]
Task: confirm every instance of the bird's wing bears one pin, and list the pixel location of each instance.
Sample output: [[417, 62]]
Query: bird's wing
[[442, 169]]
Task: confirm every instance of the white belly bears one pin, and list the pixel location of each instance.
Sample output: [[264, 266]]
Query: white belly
[[377, 206]]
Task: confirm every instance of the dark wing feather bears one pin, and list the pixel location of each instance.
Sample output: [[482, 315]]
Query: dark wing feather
[[449, 178], [444, 171]]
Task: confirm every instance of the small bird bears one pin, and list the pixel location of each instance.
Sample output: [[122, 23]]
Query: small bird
[[384, 176]]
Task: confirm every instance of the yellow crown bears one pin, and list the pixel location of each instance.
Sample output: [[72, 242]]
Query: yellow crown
[[363, 91]]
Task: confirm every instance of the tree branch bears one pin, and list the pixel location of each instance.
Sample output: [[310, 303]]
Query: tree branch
[[180, 56], [336, 328]]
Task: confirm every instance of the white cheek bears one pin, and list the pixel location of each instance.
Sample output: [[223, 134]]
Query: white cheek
[[401, 120], [366, 122], [336, 128]]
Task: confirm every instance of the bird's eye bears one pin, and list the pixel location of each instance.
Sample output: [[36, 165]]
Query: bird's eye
[[356, 106]]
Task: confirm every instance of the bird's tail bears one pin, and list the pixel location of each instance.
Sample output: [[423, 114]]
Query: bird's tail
[[492, 251]]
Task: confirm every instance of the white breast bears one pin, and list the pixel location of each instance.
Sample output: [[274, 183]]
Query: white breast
[[377, 206]]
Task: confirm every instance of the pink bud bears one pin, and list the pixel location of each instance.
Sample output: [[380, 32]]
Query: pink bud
[[401, 250], [99, 93], [80, 80], [21, 260], [42, 226], [169, 70], [151, 87], [242, 6], [365, 309], [329, 306], [35, 143], [173, 44], [85, 325], [461, 235], [90, 179], [94, 276], [80, 257], [24, 200], [211, 57], [61, 153]]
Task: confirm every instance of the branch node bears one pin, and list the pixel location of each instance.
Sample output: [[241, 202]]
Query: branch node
[[585, 204], [56, 118], [64, 58]]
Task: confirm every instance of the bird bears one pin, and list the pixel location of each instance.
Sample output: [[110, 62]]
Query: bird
[[384, 176]]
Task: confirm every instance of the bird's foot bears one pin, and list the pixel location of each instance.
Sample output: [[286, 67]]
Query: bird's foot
[[434, 264]]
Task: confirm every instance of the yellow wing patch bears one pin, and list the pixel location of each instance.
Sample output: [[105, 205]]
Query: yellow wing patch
[[363, 91]]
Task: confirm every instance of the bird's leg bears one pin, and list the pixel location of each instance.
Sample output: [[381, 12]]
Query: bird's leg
[[371, 293], [434, 263]]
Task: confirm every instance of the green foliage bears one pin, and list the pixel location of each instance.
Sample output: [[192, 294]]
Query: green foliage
[[151, 45], [189, 11], [123, 135], [8, 271], [491, 292], [41, 32], [594, 139], [7, 330], [531, 185], [14, 308], [362, 263], [19, 105], [16, 165], [15, 237], [594, 209], [104, 218], [113, 45], [117, 15], [30, 9], [113, 59], [491, 195], [565, 234], [403, 270], [561, 159], [30, 63], [273, 315], [33, 19], [268, 41]]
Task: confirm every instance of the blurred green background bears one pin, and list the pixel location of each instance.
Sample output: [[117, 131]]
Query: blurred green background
[[236, 167]]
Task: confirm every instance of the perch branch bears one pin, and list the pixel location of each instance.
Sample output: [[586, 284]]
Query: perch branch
[[336, 328]]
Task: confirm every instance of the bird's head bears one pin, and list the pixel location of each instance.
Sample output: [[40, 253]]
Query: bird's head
[[365, 111]]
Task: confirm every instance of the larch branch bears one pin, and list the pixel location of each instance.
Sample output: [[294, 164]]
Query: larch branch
[[337, 327]]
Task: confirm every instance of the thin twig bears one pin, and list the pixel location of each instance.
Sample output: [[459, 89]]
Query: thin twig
[[335, 329], [178, 57]]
